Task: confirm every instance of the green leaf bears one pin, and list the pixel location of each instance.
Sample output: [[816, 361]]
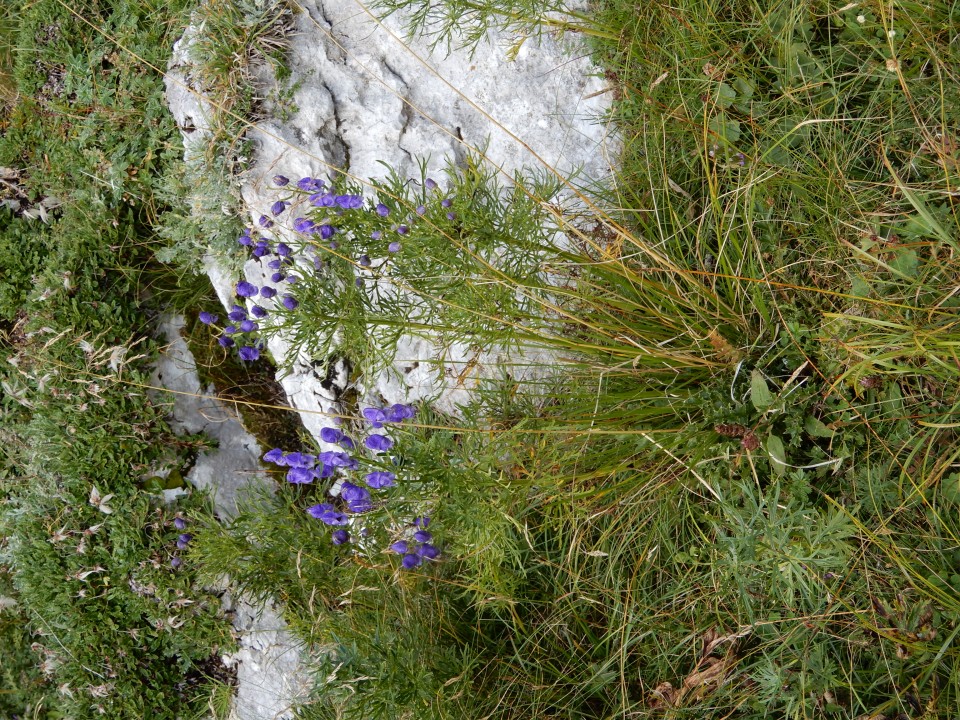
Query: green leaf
[[725, 95], [950, 488], [759, 392], [778, 455], [905, 263], [815, 428], [860, 287]]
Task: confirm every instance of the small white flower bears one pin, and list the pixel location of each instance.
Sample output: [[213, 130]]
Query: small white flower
[[100, 502]]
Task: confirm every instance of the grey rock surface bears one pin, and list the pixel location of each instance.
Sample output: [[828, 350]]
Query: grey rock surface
[[233, 468], [270, 664]]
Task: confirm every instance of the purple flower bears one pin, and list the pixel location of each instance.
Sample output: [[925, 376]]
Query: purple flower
[[347, 443], [380, 479], [421, 522], [297, 459], [277, 277], [379, 442], [420, 210], [322, 199], [376, 235], [428, 551], [185, 538], [265, 222], [451, 216], [340, 537], [179, 523], [422, 536], [353, 493], [359, 506], [400, 547], [290, 302], [331, 435], [299, 475], [327, 231], [225, 341], [245, 289], [402, 230], [283, 250], [398, 413], [229, 330], [267, 292], [309, 184], [248, 326], [207, 318], [327, 514], [258, 312], [446, 202], [304, 225], [175, 562], [393, 247], [275, 264], [278, 207], [364, 261], [274, 456], [376, 416], [237, 314], [280, 180], [335, 458], [249, 353], [382, 210], [431, 184], [245, 240], [262, 248], [410, 561]]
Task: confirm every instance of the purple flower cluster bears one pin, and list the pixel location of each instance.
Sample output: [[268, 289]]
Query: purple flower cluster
[[304, 469], [241, 324], [326, 204], [355, 498], [183, 540], [419, 548], [281, 265]]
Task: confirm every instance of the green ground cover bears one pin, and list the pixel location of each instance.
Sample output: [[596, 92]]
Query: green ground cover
[[105, 624]]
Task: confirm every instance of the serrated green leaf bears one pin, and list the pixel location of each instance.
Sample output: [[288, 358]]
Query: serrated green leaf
[[725, 95], [860, 287]]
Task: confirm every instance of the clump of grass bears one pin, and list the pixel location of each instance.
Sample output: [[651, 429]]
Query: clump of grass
[[232, 43], [233, 39]]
